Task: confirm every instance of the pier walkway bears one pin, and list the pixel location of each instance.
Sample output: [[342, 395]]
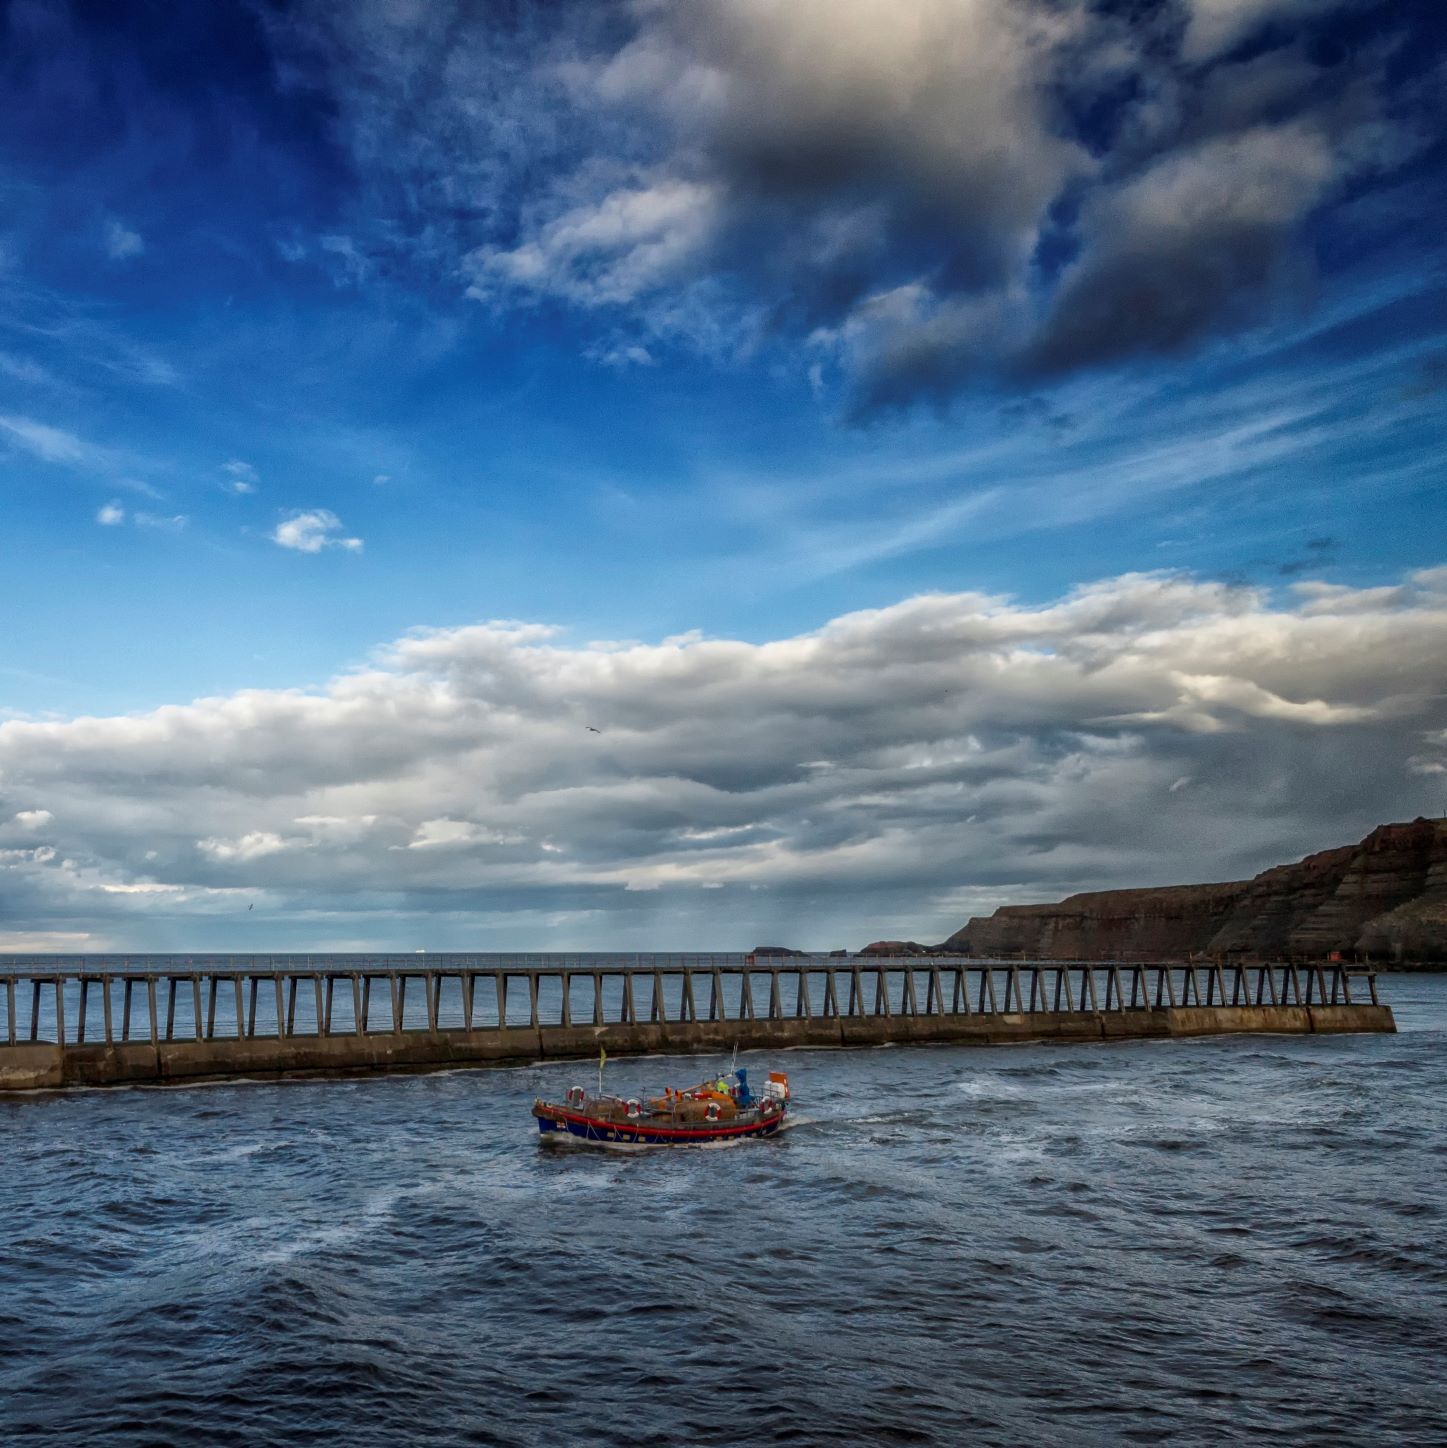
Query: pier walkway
[[107, 1020]]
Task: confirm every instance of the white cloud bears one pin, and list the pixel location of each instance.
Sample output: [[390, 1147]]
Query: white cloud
[[241, 477], [975, 746], [1217, 25], [313, 530], [446, 832], [33, 819], [111, 515], [432, 833], [622, 356], [609, 250], [252, 846], [121, 242]]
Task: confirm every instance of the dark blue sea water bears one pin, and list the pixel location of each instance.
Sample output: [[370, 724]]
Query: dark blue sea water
[[1233, 1240]]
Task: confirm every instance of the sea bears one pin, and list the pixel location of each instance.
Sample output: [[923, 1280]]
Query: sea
[[1233, 1240]]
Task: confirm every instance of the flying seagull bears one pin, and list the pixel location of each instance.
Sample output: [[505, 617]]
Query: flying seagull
[[592, 730]]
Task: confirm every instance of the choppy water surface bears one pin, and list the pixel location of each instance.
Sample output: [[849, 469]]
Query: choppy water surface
[[1234, 1240]]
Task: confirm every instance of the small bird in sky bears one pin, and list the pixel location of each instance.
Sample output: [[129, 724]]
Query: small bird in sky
[[251, 905], [592, 730]]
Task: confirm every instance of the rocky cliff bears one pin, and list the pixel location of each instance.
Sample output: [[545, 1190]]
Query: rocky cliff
[[1384, 899]]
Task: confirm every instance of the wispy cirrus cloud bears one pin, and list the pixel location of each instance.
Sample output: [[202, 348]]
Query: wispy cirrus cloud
[[121, 242], [51, 444]]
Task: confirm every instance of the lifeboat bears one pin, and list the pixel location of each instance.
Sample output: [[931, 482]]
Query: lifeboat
[[724, 1108]]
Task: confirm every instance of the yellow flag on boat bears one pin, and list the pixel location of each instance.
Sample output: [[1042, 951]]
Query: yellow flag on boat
[[602, 1057]]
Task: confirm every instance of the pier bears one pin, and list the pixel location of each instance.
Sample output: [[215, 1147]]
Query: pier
[[98, 1021]]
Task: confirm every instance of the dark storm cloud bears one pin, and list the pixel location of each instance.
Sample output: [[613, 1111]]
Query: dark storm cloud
[[917, 198]]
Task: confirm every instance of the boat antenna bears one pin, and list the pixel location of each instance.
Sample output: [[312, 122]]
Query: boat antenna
[[735, 1061]]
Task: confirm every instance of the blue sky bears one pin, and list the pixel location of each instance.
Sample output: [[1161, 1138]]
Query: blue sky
[[324, 324]]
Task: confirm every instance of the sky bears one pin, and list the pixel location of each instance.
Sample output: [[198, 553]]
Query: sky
[[643, 475]]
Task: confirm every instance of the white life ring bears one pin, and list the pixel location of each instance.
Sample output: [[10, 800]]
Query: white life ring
[[635, 1107], [712, 1112], [769, 1106], [575, 1096]]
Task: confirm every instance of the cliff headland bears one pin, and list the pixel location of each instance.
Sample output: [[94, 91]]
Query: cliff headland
[[1382, 900]]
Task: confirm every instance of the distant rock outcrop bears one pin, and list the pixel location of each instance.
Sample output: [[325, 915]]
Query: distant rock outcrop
[[1384, 899], [895, 947]]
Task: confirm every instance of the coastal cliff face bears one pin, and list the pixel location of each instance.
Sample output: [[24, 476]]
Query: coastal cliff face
[[1384, 899]]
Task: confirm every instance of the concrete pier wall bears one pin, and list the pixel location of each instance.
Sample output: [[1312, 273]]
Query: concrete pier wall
[[86, 1028]]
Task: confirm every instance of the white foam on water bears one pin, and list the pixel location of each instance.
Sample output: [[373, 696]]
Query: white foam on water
[[378, 1209], [987, 1086]]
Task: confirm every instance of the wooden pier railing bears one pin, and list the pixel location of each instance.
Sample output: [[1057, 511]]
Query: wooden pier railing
[[103, 1020]]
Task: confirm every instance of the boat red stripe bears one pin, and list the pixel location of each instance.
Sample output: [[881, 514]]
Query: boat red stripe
[[685, 1132]]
